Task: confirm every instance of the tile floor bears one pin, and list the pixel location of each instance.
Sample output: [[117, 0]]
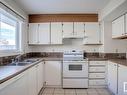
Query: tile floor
[[60, 91]]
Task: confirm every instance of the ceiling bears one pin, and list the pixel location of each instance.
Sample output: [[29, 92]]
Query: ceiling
[[61, 6]]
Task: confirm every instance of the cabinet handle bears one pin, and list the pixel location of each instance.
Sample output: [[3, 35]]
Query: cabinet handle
[[37, 66]]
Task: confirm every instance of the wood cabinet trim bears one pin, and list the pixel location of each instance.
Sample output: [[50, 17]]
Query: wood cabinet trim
[[38, 18]]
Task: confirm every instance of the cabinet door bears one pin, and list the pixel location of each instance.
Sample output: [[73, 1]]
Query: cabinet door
[[112, 77], [53, 73], [39, 76], [118, 27], [68, 30], [122, 78], [79, 29], [15, 86], [32, 81], [33, 33], [44, 33], [56, 33], [126, 25], [93, 33]]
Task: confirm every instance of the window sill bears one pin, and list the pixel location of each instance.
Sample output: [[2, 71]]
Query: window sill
[[9, 53]]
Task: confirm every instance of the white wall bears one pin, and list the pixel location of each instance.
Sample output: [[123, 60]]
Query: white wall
[[111, 9], [112, 45], [68, 44]]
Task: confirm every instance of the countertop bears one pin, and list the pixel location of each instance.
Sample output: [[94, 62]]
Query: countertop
[[119, 61], [8, 72]]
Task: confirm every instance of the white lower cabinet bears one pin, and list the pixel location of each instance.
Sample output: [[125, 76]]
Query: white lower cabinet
[[53, 73], [15, 86], [112, 77], [117, 79], [32, 80], [28, 82], [35, 79], [39, 76], [122, 80]]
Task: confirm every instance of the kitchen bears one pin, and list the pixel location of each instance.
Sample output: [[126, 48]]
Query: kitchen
[[64, 47]]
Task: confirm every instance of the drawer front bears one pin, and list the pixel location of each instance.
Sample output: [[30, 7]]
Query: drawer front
[[97, 82], [75, 83], [97, 63], [96, 75], [96, 69]]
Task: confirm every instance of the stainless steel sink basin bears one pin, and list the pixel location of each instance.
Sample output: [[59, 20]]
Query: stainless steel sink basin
[[19, 64], [31, 60]]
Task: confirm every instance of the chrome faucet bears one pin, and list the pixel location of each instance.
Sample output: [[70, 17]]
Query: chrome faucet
[[16, 59]]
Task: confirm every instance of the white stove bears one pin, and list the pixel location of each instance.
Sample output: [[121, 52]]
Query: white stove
[[75, 70]]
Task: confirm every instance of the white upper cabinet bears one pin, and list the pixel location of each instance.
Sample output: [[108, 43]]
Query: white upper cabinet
[[39, 33], [44, 33], [68, 29], [118, 27], [112, 77], [92, 33], [56, 33], [33, 33], [79, 29], [122, 79], [73, 29], [126, 25]]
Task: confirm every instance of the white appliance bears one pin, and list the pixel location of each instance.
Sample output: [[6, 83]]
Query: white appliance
[[75, 70]]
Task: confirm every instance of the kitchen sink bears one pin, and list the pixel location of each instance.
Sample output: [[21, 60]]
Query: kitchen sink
[[19, 64]]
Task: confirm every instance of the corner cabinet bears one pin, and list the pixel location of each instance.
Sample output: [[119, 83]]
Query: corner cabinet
[[92, 33]]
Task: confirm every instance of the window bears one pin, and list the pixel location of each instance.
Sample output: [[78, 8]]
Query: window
[[9, 33]]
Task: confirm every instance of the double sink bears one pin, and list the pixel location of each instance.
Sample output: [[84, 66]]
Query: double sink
[[23, 63]]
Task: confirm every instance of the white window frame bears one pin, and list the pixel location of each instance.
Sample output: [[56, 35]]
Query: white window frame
[[18, 35]]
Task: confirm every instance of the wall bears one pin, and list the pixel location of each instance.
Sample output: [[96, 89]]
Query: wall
[[110, 8], [68, 44], [111, 45]]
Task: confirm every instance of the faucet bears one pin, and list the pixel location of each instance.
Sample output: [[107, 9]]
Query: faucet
[[16, 59]]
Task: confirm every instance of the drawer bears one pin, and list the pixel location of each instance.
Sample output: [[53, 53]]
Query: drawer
[[96, 69], [99, 82], [97, 63], [96, 75], [75, 83]]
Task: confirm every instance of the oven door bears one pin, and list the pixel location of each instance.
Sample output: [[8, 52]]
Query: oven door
[[75, 69]]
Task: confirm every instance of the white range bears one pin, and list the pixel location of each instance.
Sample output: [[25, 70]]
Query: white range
[[75, 70]]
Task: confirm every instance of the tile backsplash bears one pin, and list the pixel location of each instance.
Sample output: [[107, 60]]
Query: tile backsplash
[[7, 60]]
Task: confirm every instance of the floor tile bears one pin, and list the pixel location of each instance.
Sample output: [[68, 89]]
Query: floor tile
[[81, 94], [70, 91], [59, 90], [59, 94], [89, 91], [80, 91], [48, 91], [103, 92], [47, 94]]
